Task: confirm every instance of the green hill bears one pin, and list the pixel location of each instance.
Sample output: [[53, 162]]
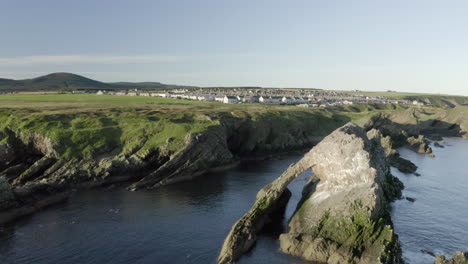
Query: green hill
[[70, 81]]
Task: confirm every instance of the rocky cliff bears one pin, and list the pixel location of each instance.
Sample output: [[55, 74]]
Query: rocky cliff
[[145, 150], [413, 122]]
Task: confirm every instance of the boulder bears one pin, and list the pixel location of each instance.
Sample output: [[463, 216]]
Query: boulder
[[419, 144], [402, 164]]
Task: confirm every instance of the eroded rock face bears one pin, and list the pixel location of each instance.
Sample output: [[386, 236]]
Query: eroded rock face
[[344, 215], [202, 153], [459, 257]]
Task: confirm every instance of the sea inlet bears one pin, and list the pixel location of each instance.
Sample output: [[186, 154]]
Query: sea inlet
[[187, 222]]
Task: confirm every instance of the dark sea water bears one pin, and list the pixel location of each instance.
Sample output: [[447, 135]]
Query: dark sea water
[[187, 222], [438, 220], [180, 223]]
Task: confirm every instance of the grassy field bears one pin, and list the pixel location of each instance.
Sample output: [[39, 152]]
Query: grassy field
[[70, 103], [439, 100]]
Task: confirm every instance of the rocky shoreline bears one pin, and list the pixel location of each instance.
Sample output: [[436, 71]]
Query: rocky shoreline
[[34, 175]]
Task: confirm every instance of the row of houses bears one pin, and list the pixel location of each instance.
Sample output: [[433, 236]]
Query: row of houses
[[310, 100], [228, 99]]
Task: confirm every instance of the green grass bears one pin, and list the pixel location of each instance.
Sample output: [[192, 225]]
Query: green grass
[[439, 100], [105, 100], [90, 134], [87, 125]]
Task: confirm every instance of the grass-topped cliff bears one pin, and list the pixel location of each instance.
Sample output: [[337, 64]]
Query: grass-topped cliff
[[87, 126], [51, 143]]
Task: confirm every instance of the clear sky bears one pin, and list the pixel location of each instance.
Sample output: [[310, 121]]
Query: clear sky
[[417, 45]]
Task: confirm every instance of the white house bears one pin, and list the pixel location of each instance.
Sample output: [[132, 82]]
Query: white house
[[229, 99], [287, 100], [164, 95], [219, 99], [144, 94], [263, 99], [99, 92]]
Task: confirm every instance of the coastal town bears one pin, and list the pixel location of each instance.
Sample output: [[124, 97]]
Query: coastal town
[[299, 97]]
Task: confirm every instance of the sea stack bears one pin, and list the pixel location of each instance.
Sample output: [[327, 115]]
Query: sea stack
[[344, 214]]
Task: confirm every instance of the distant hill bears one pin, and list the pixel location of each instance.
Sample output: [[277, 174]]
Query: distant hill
[[70, 81]]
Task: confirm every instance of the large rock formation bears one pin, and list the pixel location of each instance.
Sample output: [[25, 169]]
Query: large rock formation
[[459, 257], [343, 216], [344, 213]]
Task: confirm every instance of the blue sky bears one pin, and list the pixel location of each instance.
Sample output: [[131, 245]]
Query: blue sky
[[419, 46]]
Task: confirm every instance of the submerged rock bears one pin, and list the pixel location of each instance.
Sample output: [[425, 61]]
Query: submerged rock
[[430, 253], [343, 217], [459, 257]]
